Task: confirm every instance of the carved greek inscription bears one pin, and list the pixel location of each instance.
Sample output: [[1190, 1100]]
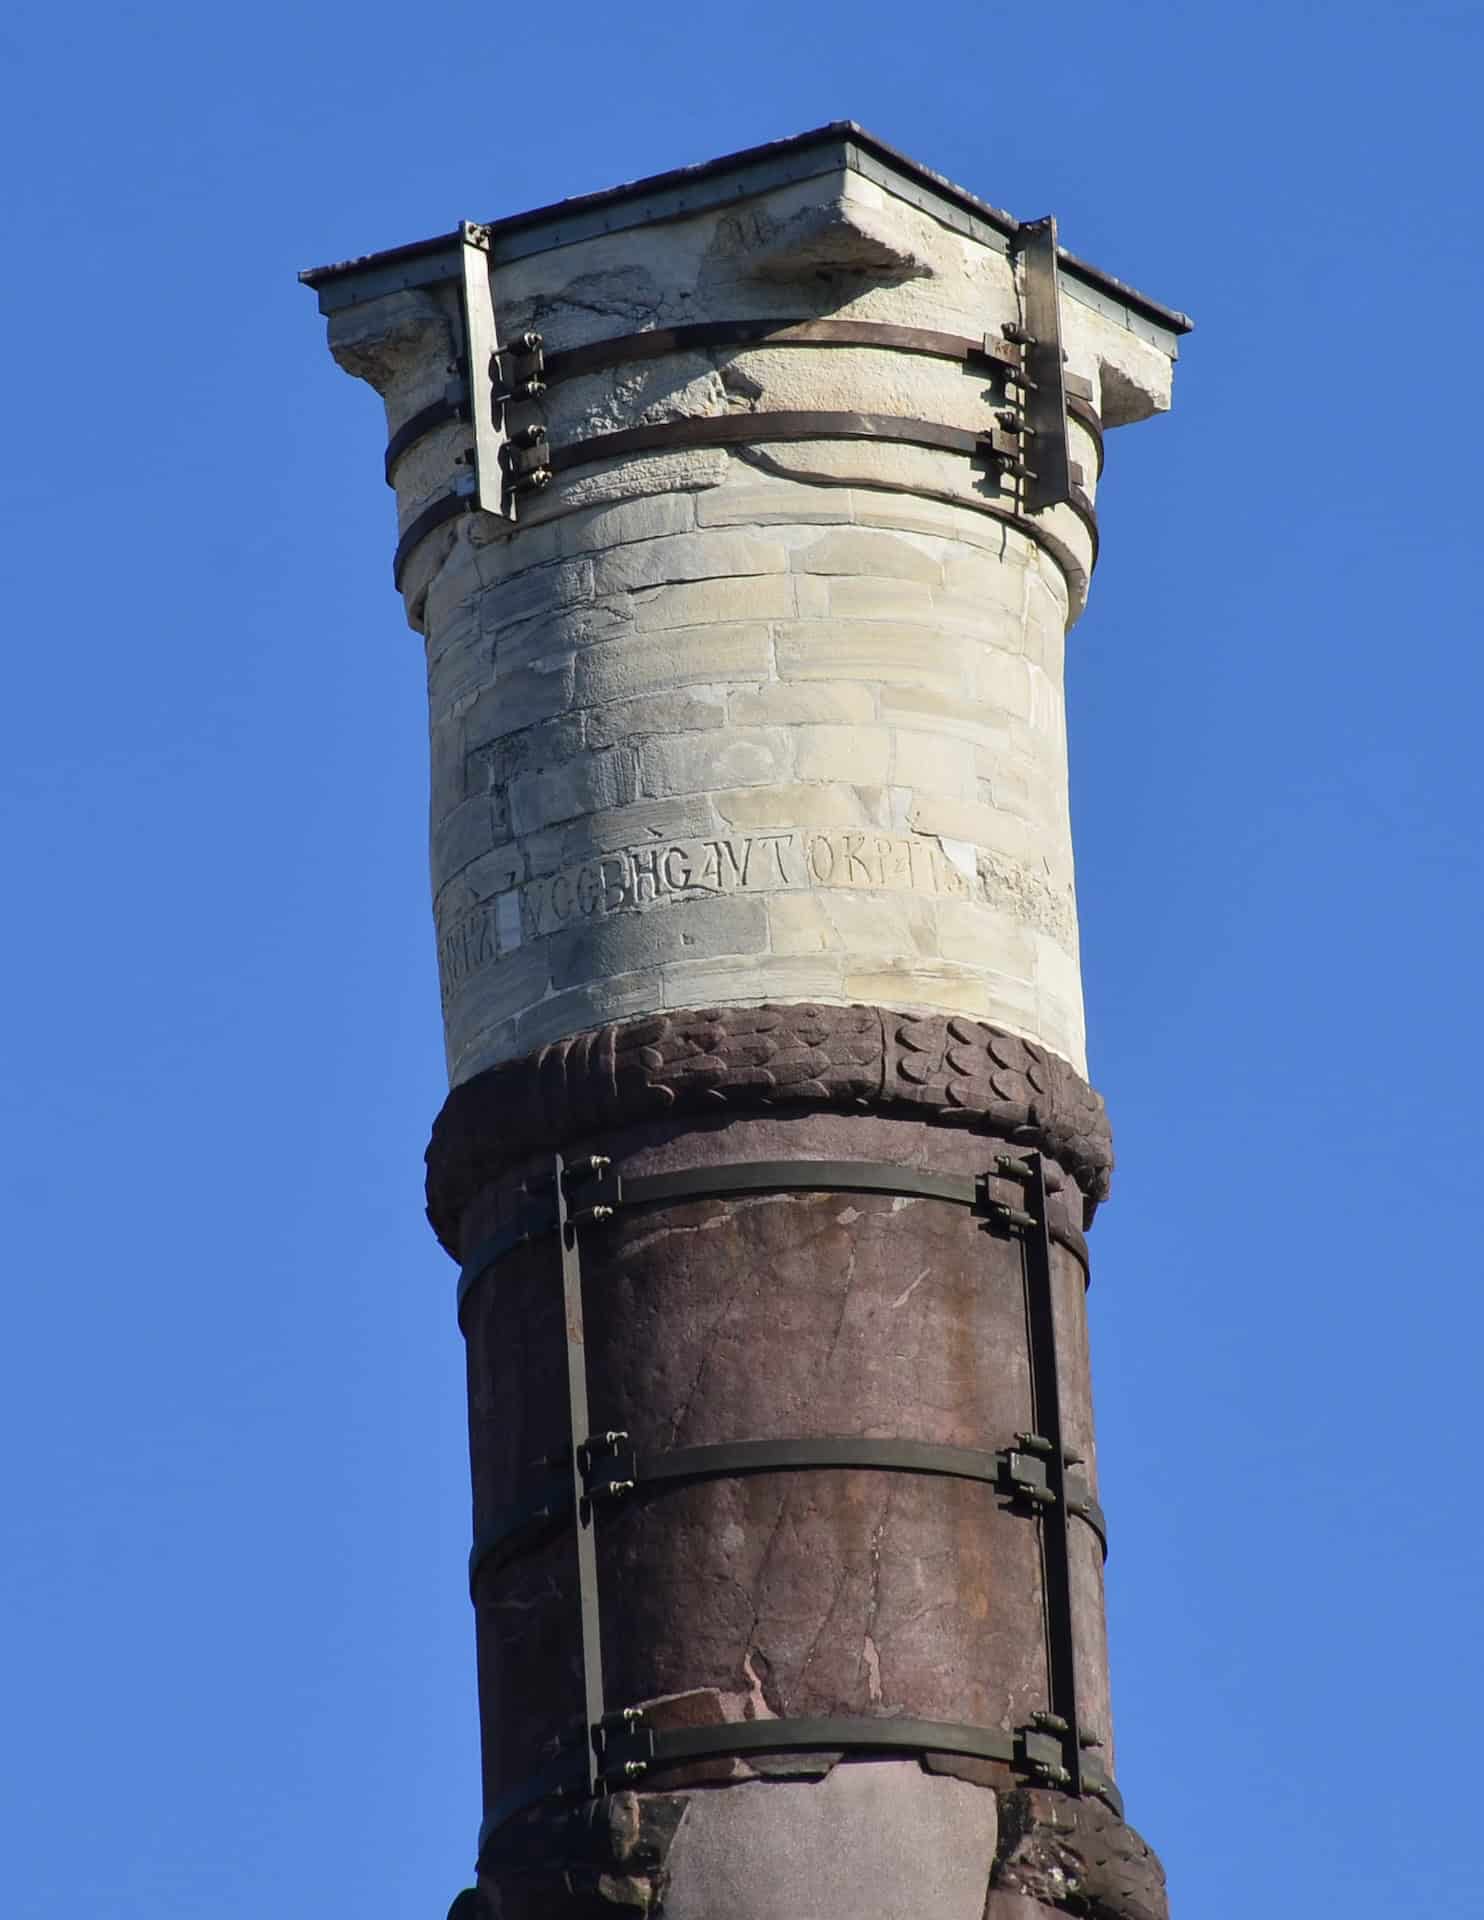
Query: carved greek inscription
[[780, 861], [469, 944]]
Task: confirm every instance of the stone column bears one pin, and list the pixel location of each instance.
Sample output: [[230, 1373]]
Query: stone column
[[750, 847]]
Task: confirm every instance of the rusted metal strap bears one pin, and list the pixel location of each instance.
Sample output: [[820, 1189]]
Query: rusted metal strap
[[754, 429], [446, 507], [536, 1217], [1053, 477], [599, 1191], [1047, 1440], [629, 1748], [734, 429], [615, 1467], [598, 1194], [425, 421], [612, 1467], [531, 462], [993, 356], [578, 1425]]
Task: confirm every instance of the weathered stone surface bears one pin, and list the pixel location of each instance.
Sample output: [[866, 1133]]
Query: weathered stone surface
[[742, 757], [584, 785], [862, 553], [695, 602], [621, 721], [654, 563], [789, 705], [876, 1840], [683, 657], [844, 753], [1074, 1856], [630, 942], [871, 648]]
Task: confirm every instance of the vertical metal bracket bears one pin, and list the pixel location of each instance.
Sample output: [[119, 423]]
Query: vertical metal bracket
[[1048, 482], [580, 1426], [482, 347], [1047, 1447]]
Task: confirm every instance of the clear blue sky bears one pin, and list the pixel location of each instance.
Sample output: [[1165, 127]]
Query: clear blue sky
[[238, 1675]]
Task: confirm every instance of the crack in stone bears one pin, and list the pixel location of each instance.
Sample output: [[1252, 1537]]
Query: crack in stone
[[824, 1626], [844, 1305], [902, 1298]]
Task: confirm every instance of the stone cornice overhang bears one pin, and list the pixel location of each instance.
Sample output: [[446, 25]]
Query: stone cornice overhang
[[842, 146]]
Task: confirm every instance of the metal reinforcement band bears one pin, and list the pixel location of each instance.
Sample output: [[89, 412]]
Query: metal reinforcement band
[[621, 1747]]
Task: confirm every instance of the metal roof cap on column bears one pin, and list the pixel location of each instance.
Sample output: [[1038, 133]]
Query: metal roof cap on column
[[842, 146]]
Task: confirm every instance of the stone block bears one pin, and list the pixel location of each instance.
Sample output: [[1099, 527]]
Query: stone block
[[986, 580], [487, 1048], [503, 550], [976, 935], [865, 552], [875, 1839], [551, 743], [790, 804], [940, 519], [694, 710], [842, 753], [578, 1009], [873, 650], [708, 983], [684, 557], [446, 764], [650, 517], [518, 697], [459, 837], [1046, 600], [496, 871], [678, 657], [747, 499], [451, 598], [933, 763], [536, 592], [636, 941], [941, 990], [1060, 1028], [794, 703], [648, 821], [768, 596], [868, 598], [621, 480], [1048, 707], [586, 784], [462, 667], [699, 763], [1004, 786], [924, 709], [799, 924], [981, 827], [495, 994], [812, 595], [1002, 681], [882, 926]]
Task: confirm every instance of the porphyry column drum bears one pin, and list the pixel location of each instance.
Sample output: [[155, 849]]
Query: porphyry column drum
[[744, 512]]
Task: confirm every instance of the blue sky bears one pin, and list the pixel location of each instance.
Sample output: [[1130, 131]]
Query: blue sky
[[237, 1654]]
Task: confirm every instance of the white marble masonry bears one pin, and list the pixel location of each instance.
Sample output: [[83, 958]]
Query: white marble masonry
[[769, 722]]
